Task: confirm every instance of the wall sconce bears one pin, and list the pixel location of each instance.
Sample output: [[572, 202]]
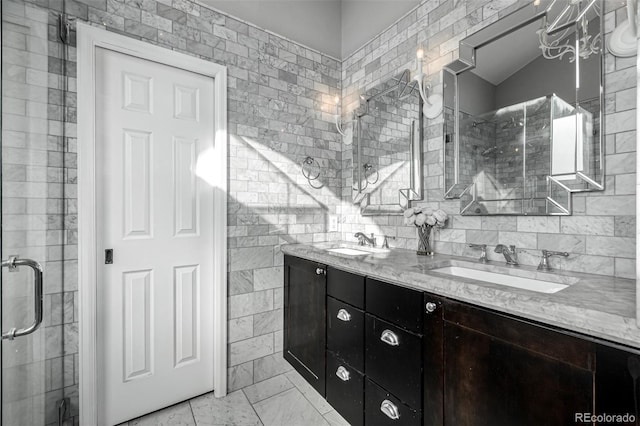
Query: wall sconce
[[622, 41], [432, 104]]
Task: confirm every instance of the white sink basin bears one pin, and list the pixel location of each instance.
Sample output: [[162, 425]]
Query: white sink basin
[[503, 279], [348, 251]]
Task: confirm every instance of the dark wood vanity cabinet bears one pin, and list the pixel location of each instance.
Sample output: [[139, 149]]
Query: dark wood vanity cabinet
[[396, 356], [304, 319]]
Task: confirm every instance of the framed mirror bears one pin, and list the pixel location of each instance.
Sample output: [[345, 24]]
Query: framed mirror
[[523, 111], [387, 153]]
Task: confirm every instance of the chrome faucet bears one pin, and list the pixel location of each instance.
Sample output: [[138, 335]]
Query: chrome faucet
[[483, 255], [363, 240], [544, 260], [509, 253]]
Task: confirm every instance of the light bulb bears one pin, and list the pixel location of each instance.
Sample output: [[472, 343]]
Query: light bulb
[[419, 56]]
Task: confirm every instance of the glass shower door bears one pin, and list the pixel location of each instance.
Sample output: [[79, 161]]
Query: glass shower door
[[35, 368]]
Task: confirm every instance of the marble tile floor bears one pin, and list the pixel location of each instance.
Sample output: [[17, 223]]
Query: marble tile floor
[[283, 400]]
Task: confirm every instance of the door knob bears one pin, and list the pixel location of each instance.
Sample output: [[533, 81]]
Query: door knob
[[430, 307]]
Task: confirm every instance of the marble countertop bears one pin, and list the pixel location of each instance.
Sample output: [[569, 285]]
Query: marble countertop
[[595, 305]]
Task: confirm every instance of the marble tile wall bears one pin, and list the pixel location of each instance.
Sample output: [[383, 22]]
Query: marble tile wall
[[600, 235], [280, 109]]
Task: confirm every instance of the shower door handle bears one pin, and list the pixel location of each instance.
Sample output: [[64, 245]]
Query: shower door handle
[[13, 264]]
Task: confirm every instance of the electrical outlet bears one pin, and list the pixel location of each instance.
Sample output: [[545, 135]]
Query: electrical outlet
[[333, 223]]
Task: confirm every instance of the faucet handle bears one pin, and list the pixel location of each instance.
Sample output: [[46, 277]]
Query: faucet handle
[[483, 255], [385, 243], [544, 259]]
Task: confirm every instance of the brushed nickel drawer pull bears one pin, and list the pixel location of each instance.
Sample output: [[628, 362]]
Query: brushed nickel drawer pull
[[390, 338], [321, 271], [431, 307], [343, 315], [343, 374], [390, 410]]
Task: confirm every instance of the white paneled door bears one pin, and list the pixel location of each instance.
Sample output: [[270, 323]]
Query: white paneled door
[[154, 123]]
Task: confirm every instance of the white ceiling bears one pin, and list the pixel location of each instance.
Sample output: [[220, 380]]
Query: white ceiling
[[335, 27]]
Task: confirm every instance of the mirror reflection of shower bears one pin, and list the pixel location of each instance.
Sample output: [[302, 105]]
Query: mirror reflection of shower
[[512, 124], [491, 151]]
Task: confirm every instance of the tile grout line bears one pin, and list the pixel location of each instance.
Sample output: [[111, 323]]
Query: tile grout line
[[286, 390], [275, 394], [193, 416], [309, 401], [252, 407]]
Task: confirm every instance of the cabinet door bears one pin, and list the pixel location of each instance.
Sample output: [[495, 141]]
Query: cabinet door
[[492, 379], [305, 319], [617, 377]]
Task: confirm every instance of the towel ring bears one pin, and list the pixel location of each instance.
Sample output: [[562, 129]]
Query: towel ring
[[367, 168], [307, 165]]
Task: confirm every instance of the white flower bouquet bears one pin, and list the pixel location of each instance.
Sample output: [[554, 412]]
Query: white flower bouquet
[[425, 219]]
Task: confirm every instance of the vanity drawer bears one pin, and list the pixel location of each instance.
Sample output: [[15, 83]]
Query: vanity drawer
[[381, 408], [345, 332], [399, 305], [346, 286], [393, 359], [345, 389]]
